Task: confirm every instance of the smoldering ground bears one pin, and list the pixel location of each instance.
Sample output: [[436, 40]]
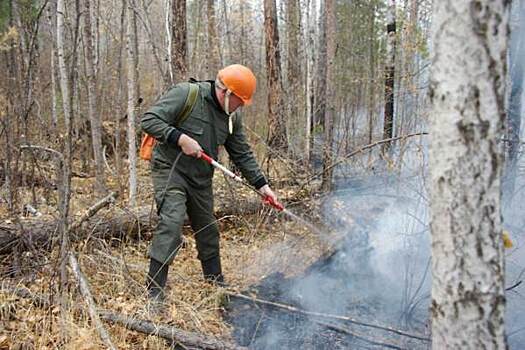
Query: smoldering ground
[[379, 272]]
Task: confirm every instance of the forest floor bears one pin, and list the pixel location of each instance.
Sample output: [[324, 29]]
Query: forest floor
[[252, 246]]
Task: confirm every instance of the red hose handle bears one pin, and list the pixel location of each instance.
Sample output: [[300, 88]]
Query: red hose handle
[[270, 201], [206, 158]]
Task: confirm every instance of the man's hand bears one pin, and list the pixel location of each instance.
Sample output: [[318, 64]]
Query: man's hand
[[189, 146], [267, 192]]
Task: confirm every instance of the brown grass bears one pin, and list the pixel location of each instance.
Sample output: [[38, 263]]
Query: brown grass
[[252, 247]]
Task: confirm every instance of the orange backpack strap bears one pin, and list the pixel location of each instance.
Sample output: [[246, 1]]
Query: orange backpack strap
[[148, 141], [146, 147]]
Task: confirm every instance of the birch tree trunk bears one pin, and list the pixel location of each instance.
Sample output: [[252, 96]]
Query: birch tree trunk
[[132, 98], [328, 156], [388, 127], [179, 46], [276, 125], [311, 20], [94, 117], [468, 101]]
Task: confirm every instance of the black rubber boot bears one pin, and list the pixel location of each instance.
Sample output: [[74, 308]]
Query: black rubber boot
[[212, 271], [156, 280]]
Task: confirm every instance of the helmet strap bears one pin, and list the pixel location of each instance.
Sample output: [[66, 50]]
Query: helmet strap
[[227, 109]]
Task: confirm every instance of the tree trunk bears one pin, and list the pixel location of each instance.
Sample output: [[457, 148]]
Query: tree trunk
[[64, 176], [293, 72], [179, 46], [276, 125], [372, 75], [468, 102], [388, 126], [132, 98], [213, 41], [94, 116], [329, 117], [311, 21], [320, 86]]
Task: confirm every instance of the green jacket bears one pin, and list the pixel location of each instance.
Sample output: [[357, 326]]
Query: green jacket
[[208, 125]]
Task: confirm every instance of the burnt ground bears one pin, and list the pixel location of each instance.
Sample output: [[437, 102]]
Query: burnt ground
[[363, 276], [327, 286]]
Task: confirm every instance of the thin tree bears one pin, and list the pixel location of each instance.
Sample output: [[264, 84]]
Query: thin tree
[[388, 127], [65, 180], [213, 41], [293, 21], [94, 116], [329, 117], [179, 45], [132, 98], [276, 125], [311, 20], [467, 92]]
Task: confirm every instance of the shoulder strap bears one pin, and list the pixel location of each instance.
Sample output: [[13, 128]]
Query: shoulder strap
[[188, 105]]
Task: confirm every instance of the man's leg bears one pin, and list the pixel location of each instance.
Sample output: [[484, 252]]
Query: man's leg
[[203, 223], [171, 205]]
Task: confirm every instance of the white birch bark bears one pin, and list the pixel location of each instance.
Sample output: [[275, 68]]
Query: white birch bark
[[132, 142], [467, 95]]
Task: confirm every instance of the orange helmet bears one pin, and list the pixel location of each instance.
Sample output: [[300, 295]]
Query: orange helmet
[[240, 81]]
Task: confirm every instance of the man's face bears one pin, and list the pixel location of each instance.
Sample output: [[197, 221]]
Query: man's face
[[234, 103]]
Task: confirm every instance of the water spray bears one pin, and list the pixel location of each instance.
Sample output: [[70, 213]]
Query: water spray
[[266, 199]]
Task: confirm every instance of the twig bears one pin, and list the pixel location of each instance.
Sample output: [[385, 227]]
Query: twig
[[357, 151], [324, 315], [170, 333], [514, 286], [106, 161], [92, 308], [345, 330], [110, 198]]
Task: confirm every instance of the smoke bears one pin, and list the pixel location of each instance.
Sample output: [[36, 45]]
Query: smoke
[[383, 260], [379, 271]]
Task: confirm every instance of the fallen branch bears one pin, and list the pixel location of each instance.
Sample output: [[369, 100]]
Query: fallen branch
[[170, 333], [323, 315], [341, 329], [110, 198], [82, 282], [92, 309]]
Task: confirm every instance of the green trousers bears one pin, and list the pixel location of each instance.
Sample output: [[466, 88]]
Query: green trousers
[[174, 198]]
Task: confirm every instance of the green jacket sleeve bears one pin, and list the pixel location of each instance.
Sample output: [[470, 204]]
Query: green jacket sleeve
[[160, 120], [240, 152]]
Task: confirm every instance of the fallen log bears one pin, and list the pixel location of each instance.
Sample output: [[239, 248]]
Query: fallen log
[[173, 334], [114, 223]]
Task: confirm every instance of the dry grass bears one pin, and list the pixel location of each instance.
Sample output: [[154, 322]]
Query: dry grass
[[251, 247]]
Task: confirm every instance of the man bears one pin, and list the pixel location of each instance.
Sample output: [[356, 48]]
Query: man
[[183, 182]]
